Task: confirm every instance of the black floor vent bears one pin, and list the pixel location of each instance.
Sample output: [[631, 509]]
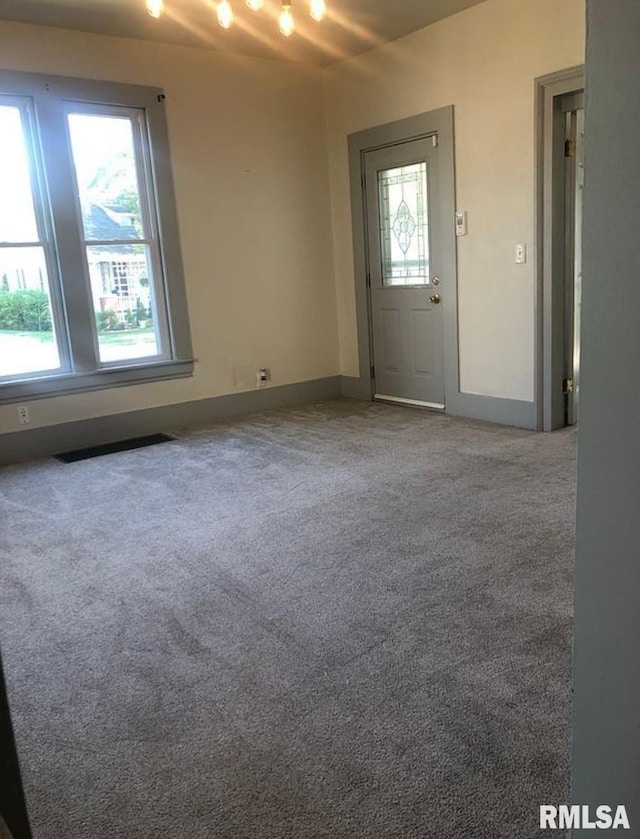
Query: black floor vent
[[112, 448]]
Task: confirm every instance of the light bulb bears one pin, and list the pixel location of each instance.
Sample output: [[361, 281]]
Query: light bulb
[[318, 9], [155, 7], [225, 14], [255, 5], [287, 23]]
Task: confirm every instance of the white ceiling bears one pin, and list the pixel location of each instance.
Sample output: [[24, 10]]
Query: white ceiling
[[353, 26]]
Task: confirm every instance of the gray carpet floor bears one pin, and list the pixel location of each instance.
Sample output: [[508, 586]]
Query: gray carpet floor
[[346, 620]]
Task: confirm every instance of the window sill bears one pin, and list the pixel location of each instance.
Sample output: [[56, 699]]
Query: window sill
[[67, 383]]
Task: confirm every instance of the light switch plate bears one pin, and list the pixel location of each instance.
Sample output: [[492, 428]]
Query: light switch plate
[[521, 253]]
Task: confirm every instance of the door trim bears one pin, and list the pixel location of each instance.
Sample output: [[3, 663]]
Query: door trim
[[549, 267], [440, 123]]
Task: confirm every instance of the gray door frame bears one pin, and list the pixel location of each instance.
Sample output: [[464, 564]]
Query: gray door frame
[[440, 123], [549, 246]]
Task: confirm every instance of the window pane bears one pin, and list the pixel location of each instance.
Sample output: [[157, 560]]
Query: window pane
[[27, 338], [105, 164], [121, 285], [404, 238], [17, 214]]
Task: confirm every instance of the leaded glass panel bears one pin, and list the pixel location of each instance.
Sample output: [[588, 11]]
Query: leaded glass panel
[[404, 225]]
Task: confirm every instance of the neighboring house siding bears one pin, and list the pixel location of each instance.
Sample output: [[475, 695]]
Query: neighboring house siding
[[118, 274]]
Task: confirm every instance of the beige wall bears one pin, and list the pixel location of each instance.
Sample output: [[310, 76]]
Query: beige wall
[[483, 61], [249, 163], [249, 149]]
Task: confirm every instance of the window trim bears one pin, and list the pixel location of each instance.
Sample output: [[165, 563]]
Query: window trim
[[51, 97]]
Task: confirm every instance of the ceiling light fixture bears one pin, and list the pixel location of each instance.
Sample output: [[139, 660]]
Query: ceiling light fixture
[[286, 22], [318, 9], [155, 7], [225, 14]]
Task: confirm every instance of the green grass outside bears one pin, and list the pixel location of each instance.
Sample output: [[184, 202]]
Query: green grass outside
[[119, 338]]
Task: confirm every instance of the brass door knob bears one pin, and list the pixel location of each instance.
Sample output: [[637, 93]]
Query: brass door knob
[[435, 298]]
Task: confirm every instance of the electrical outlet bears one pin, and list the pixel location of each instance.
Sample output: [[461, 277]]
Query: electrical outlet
[[263, 377], [23, 415]]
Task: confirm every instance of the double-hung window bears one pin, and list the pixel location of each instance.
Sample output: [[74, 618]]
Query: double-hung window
[[91, 287]]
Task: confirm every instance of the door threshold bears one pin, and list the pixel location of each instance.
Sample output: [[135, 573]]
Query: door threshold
[[416, 403]]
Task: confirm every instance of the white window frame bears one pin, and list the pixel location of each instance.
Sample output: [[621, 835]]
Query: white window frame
[[46, 101]]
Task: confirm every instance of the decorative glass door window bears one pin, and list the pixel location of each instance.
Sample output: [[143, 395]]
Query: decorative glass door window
[[404, 225]]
